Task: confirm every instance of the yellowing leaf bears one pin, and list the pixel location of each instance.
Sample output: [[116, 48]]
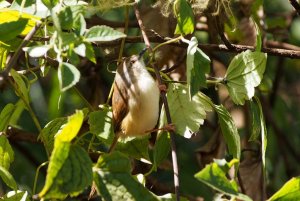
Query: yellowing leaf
[[289, 191], [70, 129], [13, 16]]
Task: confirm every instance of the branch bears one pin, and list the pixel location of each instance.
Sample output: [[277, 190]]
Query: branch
[[17, 135], [166, 106], [115, 24], [273, 48], [296, 5]]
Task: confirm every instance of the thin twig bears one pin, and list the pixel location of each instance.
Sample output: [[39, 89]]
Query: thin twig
[[16, 56], [166, 106], [281, 51]]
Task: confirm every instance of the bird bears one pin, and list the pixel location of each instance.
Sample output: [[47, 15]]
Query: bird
[[135, 100]]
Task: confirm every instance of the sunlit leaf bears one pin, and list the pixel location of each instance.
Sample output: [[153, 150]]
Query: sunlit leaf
[[187, 115], [229, 131], [101, 124], [6, 153], [198, 64], [289, 191], [17, 196], [185, 17], [114, 181], [70, 129], [37, 51], [68, 76], [69, 172], [7, 178], [4, 50], [69, 15], [214, 175], [13, 24], [50, 3], [80, 25], [49, 131], [86, 50], [244, 73], [102, 33]]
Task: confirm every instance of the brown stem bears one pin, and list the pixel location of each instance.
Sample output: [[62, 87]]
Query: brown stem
[[166, 106], [296, 5]]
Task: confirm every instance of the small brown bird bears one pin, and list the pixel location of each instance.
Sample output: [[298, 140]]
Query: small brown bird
[[135, 101]]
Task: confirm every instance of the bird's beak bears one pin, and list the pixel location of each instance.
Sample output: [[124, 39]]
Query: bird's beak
[[142, 53]]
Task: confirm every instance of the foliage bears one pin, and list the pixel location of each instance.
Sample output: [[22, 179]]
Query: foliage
[[56, 59]]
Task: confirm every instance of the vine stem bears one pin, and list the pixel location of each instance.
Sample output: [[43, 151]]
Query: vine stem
[[165, 102], [37, 175]]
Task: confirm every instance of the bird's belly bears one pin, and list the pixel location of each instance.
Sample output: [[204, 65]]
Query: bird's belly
[[143, 109]]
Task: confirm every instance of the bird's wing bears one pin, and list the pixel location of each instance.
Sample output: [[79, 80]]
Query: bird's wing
[[119, 105]]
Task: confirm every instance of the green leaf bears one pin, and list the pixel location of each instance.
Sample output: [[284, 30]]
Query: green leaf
[[17, 196], [4, 50], [289, 191], [229, 131], [21, 87], [65, 17], [198, 64], [10, 30], [187, 115], [8, 178], [13, 24], [263, 134], [70, 129], [135, 148], [185, 17], [69, 172], [68, 39], [161, 149], [114, 182], [6, 115], [37, 51], [50, 3], [116, 162], [244, 73], [68, 76], [80, 25], [86, 50], [101, 124], [255, 119], [6, 153], [15, 116], [102, 33], [49, 131], [214, 175], [69, 15]]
